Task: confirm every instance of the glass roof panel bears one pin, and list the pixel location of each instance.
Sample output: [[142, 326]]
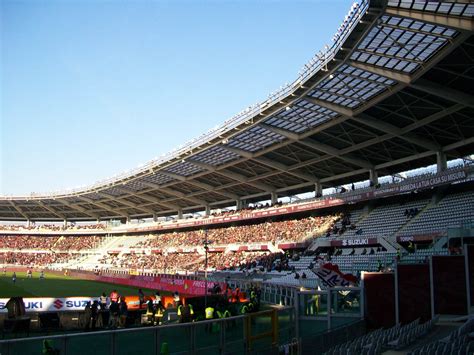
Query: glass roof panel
[[216, 155], [254, 139]]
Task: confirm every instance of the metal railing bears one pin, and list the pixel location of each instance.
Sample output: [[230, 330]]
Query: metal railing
[[250, 334], [330, 304]]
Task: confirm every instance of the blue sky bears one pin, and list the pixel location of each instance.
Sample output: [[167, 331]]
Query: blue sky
[[92, 88]]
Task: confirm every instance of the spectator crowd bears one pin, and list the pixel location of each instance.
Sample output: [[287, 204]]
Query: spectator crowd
[[35, 259], [159, 252], [66, 243], [275, 232], [51, 227], [162, 263]]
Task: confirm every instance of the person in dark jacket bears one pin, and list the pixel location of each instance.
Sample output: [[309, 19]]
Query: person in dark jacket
[[123, 313], [114, 314], [141, 297], [94, 314], [87, 316]]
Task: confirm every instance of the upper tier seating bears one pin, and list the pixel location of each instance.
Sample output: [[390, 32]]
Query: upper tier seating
[[274, 232], [384, 220], [66, 243], [35, 259], [52, 227], [451, 211], [157, 262]]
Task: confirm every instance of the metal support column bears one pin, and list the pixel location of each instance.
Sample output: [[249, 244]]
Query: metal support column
[[468, 281], [432, 298], [329, 308], [441, 163], [397, 310], [362, 297]]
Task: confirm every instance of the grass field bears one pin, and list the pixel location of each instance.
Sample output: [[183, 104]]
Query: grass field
[[60, 286]]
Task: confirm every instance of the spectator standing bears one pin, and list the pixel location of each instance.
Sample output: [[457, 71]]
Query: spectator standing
[[209, 311], [94, 314], [87, 316], [113, 314], [104, 312], [175, 299], [103, 301], [123, 312], [114, 296], [141, 298]]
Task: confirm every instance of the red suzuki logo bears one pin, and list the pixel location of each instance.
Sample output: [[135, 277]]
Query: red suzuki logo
[[58, 304]]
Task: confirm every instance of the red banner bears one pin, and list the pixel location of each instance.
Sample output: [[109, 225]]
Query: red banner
[[286, 246], [418, 237], [183, 286]]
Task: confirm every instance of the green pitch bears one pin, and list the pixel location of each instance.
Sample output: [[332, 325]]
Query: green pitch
[[61, 286]]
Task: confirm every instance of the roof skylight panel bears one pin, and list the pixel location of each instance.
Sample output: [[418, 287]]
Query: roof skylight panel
[[254, 139], [158, 178], [216, 155], [135, 185], [184, 169]]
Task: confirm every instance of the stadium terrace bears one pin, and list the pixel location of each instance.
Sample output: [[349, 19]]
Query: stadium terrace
[[342, 207]]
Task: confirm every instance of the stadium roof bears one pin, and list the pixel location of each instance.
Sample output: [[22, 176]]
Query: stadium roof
[[393, 91]]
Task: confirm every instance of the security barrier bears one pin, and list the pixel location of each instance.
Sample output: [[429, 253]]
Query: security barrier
[[262, 332]]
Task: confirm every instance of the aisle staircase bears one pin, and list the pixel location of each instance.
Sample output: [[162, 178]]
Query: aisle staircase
[[414, 219]]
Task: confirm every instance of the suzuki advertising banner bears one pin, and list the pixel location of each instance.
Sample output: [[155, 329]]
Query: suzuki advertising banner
[[45, 304], [58, 304], [353, 242]]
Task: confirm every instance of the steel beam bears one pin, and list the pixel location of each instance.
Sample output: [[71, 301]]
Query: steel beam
[[444, 92], [327, 149], [19, 210], [78, 208], [337, 153], [140, 195], [184, 196], [241, 152], [157, 201], [284, 168], [395, 131], [233, 176], [458, 144], [404, 160], [333, 107], [415, 30], [122, 200], [201, 185], [102, 206], [387, 73], [463, 24], [52, 210]]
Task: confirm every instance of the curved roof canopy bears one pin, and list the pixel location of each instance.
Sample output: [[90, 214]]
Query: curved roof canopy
[[394, 91]]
